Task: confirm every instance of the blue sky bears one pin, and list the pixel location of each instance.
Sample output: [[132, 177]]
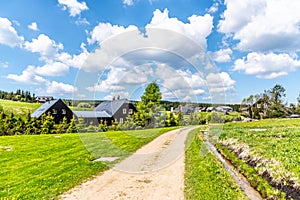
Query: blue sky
[[100, 49]]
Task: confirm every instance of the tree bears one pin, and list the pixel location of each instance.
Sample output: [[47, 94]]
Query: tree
[[63, 126], [48, 124], [277, 94], [72, 126], [152, 94], [149, 108]]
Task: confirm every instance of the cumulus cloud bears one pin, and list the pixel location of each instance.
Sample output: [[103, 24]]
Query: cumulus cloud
[[105, 30], [53, 69], [222, 55], [43, 45], [198, 27], [219, 82], [73, 6], [263, 25], [8, 34], [28, 76], [33, 26], [60, 88], [76, 61], [163, 51], [268, 65]]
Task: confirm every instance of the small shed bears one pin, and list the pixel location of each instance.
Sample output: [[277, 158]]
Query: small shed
[[57, 108]]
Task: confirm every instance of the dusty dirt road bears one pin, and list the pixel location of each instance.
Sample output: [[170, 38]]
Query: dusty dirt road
[[156, 171]]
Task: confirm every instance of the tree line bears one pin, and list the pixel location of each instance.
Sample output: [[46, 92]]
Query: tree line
[[269, 104], [19, 95], [17, 125]]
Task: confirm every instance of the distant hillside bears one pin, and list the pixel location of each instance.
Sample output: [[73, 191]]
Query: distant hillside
[[18, 108]]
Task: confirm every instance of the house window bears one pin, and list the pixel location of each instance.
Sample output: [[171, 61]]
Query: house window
[[121, 120], [124, 111], [63, 111], [54, 111], [130, 111]]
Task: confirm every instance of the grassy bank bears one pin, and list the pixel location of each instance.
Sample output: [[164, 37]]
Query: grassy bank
[[44, 166], [270, 148], [205, 176]]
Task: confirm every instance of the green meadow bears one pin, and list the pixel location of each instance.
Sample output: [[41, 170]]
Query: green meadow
[[18, 108], [45, 166]]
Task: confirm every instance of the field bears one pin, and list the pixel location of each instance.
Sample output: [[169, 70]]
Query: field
[[271, 147], [18, 108], [44, 166], [205, 176]]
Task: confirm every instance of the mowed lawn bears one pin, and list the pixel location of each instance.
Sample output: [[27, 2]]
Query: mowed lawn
[[44, 166]]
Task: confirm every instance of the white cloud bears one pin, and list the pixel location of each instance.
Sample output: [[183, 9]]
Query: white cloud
[[82, 21], [263, 25], [223, 55], [132, 2], [159, 34], [267, 66], [8, 34], [76, 61], [43, 45], [219, 82], [4, 65], [198, 28], [128, 2], [105, 30], [178, 84], [53, 69], [33, 26], [60, 88], [28, 76], [214, 8], [73, 6]]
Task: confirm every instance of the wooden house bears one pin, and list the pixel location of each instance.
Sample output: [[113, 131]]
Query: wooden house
[[108, 112], [57, 108]]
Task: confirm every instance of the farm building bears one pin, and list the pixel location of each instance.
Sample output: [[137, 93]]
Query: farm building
[[115, 110], [57, 108], [224, 109], [43, 99], [186, 110]]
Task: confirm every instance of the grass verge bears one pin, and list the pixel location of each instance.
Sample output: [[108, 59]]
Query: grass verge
[[205, 176], [44, 166]]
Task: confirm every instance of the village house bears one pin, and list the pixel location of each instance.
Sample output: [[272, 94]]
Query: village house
[[108, 112], [57, 108], [43, 99]]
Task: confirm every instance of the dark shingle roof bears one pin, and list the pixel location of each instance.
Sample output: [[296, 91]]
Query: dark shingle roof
[[91, 114], [111, 107], [44, 108]]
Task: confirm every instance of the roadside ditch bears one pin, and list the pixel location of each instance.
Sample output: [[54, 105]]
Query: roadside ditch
[[256, 176]]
